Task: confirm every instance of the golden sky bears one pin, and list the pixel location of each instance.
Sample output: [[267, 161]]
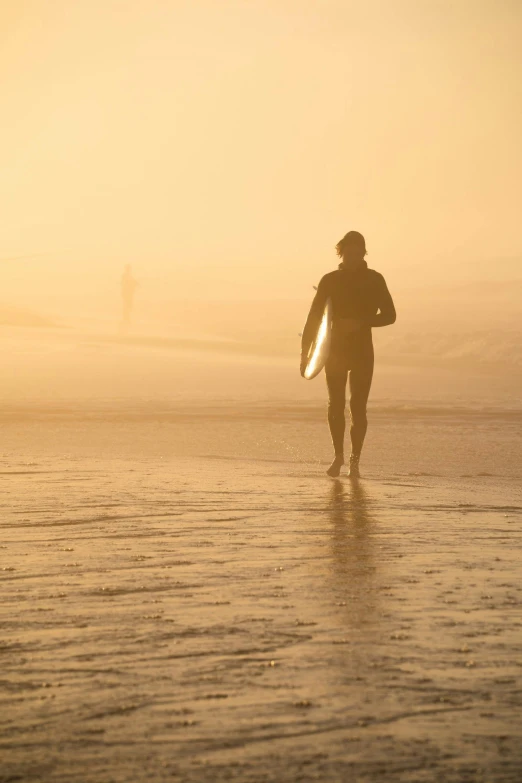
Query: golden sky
[[228, 144]]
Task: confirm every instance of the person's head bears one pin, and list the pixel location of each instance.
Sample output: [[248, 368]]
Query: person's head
[[351, 248]]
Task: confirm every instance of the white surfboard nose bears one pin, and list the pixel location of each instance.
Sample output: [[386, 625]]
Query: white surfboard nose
[[320, 347]]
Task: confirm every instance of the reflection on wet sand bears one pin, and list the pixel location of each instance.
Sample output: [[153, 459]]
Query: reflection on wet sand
[[353, 553]]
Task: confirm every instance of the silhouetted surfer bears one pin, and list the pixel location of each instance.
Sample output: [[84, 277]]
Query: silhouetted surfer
[[128, 288], [360, 301]]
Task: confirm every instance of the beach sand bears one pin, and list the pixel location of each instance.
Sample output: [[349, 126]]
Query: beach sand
[[187, 596]]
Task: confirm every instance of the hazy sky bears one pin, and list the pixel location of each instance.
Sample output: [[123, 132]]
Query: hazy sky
[[229, 144]]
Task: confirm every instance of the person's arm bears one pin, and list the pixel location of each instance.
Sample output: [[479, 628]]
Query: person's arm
[[386, 314]]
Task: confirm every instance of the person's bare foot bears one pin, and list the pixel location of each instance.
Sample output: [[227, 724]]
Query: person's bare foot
[[335, 467], [354, 473]]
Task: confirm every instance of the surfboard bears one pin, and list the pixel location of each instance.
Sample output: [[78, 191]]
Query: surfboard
[[320, 347]]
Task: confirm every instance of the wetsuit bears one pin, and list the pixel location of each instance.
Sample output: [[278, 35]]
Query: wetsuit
[[362, 294]]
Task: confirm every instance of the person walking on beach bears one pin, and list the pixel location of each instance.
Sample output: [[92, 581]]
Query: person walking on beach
[[360, 300]]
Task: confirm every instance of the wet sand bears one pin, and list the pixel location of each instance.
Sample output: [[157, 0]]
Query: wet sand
[[221, 617]]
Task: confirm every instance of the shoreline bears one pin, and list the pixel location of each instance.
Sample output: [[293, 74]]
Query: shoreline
[[242, 408]]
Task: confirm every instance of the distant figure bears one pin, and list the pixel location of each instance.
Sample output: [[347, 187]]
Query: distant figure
[[128, 287], [360, 301]]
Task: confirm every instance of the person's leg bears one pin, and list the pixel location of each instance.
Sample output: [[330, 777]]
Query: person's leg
[[360, 384], [336, 378], [126, 311]]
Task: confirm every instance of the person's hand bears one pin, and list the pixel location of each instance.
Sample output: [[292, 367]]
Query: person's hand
[[302, 366]]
